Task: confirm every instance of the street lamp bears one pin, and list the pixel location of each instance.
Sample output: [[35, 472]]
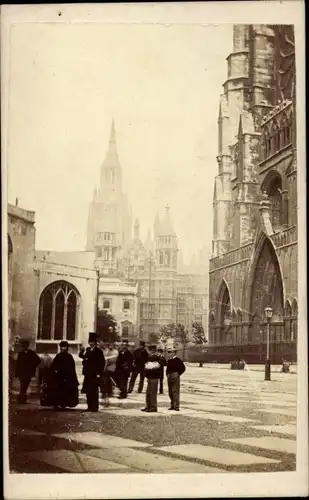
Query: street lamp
[[268, 315]]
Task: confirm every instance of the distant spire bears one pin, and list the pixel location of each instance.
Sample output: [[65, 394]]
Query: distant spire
[[136, 230], [111, 169], [166, 227], [112, 146]]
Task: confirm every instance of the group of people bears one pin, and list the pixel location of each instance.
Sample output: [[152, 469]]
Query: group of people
[[103, 369]]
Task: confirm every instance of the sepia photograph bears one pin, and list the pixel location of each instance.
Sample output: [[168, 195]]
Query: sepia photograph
[[153, 217]]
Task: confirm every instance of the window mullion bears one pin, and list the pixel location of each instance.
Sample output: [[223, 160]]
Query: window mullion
[[65, 317], [52, 330]]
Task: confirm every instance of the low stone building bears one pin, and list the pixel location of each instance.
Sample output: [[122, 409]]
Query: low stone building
[[51, 295]]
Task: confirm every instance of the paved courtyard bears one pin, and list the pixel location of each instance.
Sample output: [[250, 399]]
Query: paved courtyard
[[230, 421]]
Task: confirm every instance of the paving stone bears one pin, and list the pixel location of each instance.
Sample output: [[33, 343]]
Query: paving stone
[[136, 412], [151, 462], [279, 411], [268, 443], [284, 404], [289, 429], [217, 455], [98, 439], [211, 407], [218, 417], [75, 462]]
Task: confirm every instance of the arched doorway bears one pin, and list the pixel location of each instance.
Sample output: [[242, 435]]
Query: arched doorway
[[59, 311], [224, 313], [267, 290]]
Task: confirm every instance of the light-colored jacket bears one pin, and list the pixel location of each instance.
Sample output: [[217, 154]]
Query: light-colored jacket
[[111, 356]]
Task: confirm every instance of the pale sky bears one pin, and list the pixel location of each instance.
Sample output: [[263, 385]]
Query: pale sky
[[160, 83]]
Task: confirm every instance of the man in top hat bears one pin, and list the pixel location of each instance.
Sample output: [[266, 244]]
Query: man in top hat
[[93, 367], [152, 372], [175, 368], [26, 365], [140, 358]]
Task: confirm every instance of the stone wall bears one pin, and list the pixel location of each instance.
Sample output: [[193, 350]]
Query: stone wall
[[22, 285]]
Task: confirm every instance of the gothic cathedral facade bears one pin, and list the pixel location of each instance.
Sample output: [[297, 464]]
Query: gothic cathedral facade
[[141, 283], [254, 247]]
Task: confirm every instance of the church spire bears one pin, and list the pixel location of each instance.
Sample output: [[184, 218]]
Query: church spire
[[111, 169]]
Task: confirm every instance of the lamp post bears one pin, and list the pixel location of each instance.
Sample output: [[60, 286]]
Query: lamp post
[[96, 302], [268, 315]]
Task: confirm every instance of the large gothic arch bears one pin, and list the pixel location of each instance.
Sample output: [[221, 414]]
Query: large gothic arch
[[223, 311], [264, 285], [264, 288]]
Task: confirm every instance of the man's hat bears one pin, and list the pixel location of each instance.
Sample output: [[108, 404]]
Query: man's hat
[[64, 343], [152, 347], [93, 337]]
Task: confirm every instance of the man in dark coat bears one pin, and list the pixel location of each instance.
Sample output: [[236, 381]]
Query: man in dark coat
[[163, 363], [93, 367], [61, 387], [26, 365], [140, 358], [152, 372], [175, 368], [124, 365]]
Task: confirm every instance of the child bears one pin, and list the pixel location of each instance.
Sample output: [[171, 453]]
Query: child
[[175, 368]]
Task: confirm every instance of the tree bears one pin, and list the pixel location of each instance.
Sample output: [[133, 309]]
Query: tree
[[167, 332], [183, 336], [153, 338], [198, 334], [107, 327]]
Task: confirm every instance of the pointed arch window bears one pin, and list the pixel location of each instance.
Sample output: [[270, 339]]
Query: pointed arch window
[[59, 311], [273, 187]]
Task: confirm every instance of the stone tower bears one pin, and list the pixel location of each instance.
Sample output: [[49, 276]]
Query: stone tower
[[109, 221], [248, 95], [166, 267]]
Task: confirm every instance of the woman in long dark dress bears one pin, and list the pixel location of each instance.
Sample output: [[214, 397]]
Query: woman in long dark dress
[[61, 389]]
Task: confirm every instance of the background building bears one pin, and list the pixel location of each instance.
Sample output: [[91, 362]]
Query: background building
[[254, 249], [145, 273]]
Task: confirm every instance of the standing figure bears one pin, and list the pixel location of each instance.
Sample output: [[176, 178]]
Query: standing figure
[[140, 358], [26, 365], [152, 372], [93, 367], [163, 363], [175, 368], [44, 367], [108, 378], [60, 388], [123, 368]]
